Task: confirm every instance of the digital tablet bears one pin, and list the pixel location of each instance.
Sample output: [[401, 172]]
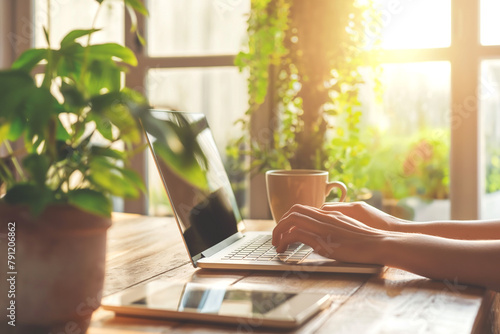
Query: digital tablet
[[246, 305]]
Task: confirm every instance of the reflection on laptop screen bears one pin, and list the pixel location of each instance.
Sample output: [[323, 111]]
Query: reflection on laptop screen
[[195, 179]]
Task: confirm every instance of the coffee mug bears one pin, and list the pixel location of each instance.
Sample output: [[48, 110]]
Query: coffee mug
[[299, 186]]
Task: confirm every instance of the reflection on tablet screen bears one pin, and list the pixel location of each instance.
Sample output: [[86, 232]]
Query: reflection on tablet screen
[[215, 300]]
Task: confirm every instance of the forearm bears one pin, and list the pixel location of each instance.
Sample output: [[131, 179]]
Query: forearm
[[466, 230], [464, 261]]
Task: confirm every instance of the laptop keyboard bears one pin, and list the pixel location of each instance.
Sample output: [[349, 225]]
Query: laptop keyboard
[[261, 249]]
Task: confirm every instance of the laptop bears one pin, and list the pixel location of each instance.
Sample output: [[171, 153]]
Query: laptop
[[205, 206]]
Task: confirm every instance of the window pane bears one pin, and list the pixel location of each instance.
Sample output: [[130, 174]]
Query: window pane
[[193, 27], [490, 25], [410, 140], [218, 92], [489, 104], [413, 24], [67, 15]]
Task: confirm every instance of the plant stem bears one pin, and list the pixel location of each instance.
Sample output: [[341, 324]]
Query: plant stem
[[17, 166], [47, 79], [87, 50], [49, 23], [94, 21]]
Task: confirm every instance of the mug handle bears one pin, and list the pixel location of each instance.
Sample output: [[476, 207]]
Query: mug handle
[[337, 184]]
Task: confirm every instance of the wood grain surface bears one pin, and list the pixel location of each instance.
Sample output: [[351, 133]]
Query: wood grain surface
[[144, 248]]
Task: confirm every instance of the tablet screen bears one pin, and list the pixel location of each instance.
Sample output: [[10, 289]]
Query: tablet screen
[[213, 299], [217, 303]]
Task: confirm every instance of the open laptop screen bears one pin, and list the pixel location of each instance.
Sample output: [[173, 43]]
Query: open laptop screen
[[195, 179]]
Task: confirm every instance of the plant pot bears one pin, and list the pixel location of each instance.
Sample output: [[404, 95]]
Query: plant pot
[[58, 268]]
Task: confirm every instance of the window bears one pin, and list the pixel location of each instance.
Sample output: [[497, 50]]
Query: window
[[196, 28], [190, 46], [489, 107], [489, 22], [410, 139], [111, 20], [219, 92], [414, 24], [441, 73]]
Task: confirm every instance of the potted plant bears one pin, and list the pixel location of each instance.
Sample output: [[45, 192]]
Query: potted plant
[[304, 60], [66, 142]]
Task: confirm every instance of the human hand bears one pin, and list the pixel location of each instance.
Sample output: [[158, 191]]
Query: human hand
[[330, 233], [365, 213]]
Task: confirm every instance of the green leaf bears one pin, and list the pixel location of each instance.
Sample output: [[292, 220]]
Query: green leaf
[[103, 76], [29, 59], [91, 201], [38, 110], [133, 25], [101, 103], [16, 128], [15, 87], [133, 19], [4, 131], [30, 145], [96, 151], [35, 197], [116, 107], [141, 39], [137, 6], [104, 127], [37, 166], [134, 177], [110, 50], [47, 35], [74, 34], [109, 178], [70, 63], [67, 152], [61, 132], [72, 95], [84, 141]]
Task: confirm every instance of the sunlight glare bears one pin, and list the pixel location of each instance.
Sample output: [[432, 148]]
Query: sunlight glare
[[406, 24], [490, 25], [383, 123]]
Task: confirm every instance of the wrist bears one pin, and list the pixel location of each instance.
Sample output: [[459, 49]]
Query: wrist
[[400, 225], [390, 247]]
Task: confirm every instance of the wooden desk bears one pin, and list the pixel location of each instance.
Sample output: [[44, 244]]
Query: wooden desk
[[144, 248]]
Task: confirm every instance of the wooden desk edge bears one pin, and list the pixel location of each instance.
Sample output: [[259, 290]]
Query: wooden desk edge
[[485, 313]]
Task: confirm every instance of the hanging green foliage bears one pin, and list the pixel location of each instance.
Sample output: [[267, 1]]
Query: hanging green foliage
[[304, 60]]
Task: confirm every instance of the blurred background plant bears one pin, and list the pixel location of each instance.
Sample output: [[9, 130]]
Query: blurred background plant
[[414, 166], [493, 171], [303, 60]]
